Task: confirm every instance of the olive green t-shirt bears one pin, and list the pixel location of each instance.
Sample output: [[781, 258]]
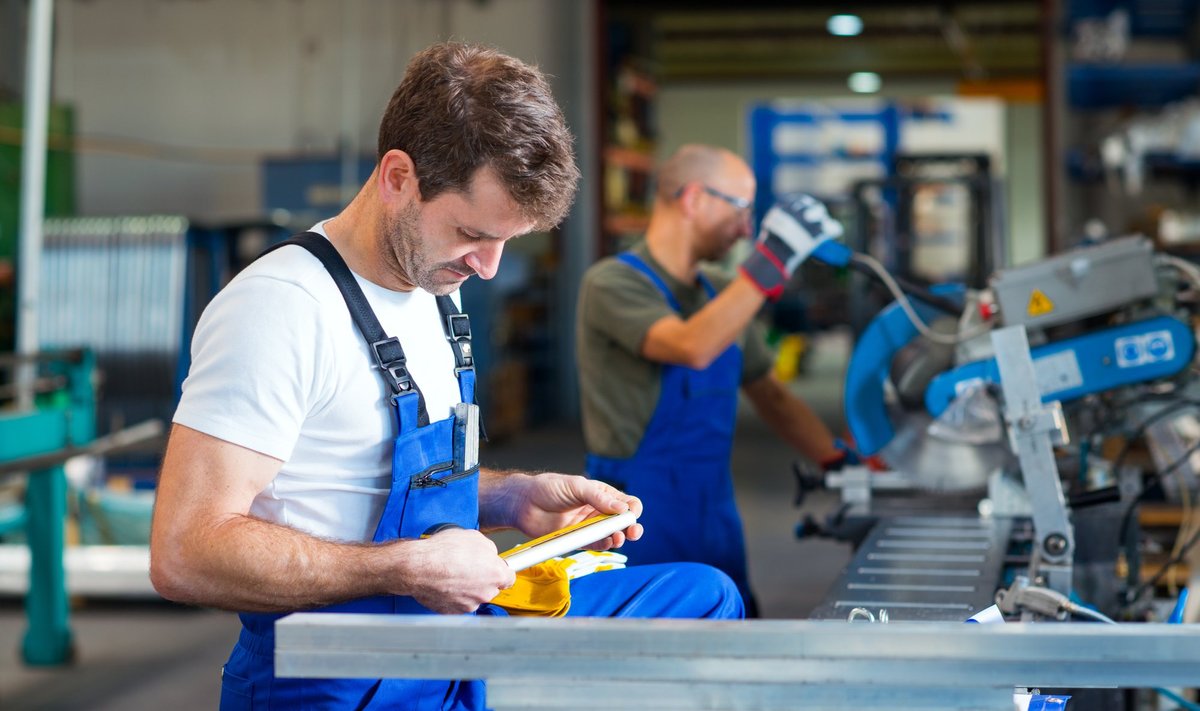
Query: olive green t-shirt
[[619, 388]]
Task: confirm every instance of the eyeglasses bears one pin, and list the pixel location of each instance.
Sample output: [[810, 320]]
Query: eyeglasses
[[739, 203]]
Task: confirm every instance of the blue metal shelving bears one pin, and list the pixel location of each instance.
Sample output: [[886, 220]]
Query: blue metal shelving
[[1094, 86], [767, 118]]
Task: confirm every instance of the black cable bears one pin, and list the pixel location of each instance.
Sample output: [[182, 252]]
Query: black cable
[[1114, 410], [1173, 561], [1135, 436], [1125, 536], [1134, 574], [917, 291], [1145, 424]]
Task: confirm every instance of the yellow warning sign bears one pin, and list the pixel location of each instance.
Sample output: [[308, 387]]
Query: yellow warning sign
[[1039, 304]]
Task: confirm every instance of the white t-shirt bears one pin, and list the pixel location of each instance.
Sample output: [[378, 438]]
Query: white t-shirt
[[279, 367]]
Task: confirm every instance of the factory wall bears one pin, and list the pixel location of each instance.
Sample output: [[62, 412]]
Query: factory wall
[[177, 102]]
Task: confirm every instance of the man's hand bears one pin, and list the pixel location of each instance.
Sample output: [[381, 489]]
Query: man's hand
[[548, 502], [790, 232], [848, 455], [453, 571]]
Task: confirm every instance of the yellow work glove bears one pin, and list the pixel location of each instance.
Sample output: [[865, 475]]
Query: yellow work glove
[[581, 563], [544, 590]]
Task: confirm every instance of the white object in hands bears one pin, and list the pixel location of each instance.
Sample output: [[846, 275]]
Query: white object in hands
[[567, 539]]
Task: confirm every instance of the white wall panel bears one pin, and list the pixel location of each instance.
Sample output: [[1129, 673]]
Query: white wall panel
[[177, 100]]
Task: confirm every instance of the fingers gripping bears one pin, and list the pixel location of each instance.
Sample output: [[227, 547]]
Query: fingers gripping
[[791, 231]]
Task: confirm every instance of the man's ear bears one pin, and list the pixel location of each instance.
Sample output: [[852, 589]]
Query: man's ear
[[397, 179], [687, 197]]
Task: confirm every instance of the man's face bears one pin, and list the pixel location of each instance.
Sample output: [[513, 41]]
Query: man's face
[[438, 244], [724, 217]]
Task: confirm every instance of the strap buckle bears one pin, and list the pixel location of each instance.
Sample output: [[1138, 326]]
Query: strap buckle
[[458, 332], [390, 357], [458, 327]]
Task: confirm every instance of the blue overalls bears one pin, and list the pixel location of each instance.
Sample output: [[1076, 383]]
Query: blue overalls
[[681, 469], [430, 487]]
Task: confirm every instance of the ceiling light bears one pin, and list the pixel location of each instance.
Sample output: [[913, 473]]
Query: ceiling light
[[844, 25], [864, 82]]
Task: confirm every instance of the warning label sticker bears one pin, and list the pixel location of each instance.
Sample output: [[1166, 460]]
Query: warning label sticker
[[1039, 304]]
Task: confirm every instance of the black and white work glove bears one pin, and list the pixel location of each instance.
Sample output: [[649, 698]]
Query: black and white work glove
[[790, 232]]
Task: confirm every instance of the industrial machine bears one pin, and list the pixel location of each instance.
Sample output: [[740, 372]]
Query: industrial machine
[[36, 442], [994, 408]]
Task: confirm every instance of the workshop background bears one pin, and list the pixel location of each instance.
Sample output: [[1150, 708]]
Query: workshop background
[[954, 138]]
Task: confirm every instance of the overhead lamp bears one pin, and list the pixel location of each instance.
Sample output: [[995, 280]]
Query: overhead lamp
[[844, 25], [864, 82]]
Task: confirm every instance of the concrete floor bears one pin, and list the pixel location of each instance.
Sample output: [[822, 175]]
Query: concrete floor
[[154, 655]]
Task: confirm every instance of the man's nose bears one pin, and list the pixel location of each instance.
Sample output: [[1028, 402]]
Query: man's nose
[[486, 259]]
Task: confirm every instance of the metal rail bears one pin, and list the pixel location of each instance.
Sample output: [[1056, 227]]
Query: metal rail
[[123, 439], [595, 663]]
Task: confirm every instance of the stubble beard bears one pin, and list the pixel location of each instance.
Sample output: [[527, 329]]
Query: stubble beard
[[411, 263], [717, 247]]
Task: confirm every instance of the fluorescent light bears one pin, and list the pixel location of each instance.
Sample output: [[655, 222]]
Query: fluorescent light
[[844, 25], [864, 82]]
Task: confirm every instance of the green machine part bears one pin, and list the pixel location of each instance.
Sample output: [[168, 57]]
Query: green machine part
[[60, 191], [60, 421]]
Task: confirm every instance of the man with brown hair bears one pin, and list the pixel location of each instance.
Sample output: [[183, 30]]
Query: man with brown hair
[[664, 346], [324, 454]]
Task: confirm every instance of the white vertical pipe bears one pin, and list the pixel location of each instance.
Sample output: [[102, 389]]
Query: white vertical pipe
[[351, 98], [33, 188]]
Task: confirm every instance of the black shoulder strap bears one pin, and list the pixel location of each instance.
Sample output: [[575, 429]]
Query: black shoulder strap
[[389, 355], [458, 331]]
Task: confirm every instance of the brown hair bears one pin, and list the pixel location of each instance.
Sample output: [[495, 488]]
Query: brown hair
[[461, 107]]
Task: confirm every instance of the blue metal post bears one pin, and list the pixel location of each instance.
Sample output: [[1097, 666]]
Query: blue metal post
[[65, 419], [48, 640]]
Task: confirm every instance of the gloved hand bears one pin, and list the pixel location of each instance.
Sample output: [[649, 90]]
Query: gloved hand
[[544, 590], [790, 232], [581, 563], [848, 456]]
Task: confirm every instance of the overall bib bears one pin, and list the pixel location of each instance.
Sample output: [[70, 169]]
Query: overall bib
[[430, 486], [681, 469]]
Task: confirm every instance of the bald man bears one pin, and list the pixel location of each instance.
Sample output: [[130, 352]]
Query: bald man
[[664, 344]]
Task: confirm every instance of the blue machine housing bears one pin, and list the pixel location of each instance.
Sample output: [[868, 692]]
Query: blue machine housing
[[870, 365], [1095, 362]]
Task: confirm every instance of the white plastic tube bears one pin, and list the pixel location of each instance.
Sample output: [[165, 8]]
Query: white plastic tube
[[569, 539]]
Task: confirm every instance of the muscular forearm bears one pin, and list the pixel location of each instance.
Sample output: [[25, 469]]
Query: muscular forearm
[[250, 565], [244, 563], [501, 496], [802, 429], [698, 340], [792, 419]]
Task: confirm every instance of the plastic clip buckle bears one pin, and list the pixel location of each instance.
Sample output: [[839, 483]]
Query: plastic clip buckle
[[393, 362], [458, 327]]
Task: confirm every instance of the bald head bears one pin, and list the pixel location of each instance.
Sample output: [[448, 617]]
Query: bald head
[[697, 163], [702, 204]]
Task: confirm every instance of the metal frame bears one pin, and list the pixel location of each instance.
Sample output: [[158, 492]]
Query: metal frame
[[1034, 429], [927, 568], [26, 435], [695, 664]]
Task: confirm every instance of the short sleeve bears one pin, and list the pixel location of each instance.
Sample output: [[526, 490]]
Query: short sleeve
[[258, 366], [621, 303]]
